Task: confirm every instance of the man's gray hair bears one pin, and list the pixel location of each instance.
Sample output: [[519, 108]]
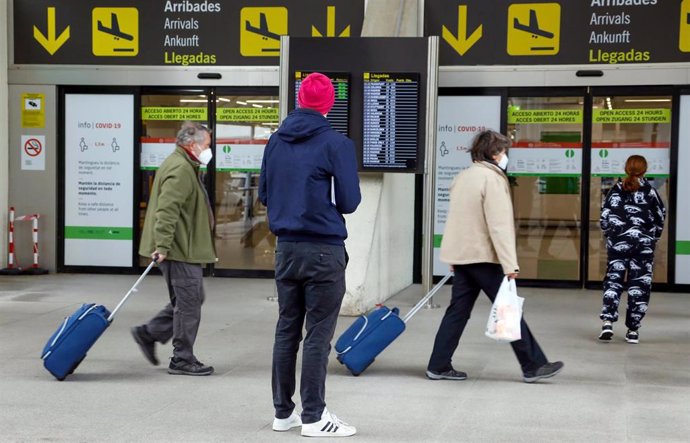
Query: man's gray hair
[[192, 132]]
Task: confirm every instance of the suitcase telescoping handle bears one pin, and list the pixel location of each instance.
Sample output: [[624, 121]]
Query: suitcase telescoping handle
[[132, 290], [426, 298]]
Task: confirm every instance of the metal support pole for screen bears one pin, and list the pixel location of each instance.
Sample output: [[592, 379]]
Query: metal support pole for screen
[[430, 171]]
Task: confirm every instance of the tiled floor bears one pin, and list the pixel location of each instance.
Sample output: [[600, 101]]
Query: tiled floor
[[614, 392]]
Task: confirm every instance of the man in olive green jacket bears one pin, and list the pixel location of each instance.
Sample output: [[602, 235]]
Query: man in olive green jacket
[[177, 234]]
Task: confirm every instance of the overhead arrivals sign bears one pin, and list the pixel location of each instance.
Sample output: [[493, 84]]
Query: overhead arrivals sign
[[538, 32], [173, 32]]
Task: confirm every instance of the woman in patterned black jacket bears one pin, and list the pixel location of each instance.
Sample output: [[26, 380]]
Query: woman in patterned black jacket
[[632, 219]]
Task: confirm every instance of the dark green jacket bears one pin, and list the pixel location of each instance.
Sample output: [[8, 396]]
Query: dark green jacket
[[178, 216]]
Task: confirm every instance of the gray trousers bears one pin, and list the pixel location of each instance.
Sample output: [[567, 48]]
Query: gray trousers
[[180, 318], [311, 284]]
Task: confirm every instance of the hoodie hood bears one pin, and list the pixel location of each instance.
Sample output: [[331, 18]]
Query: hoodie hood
[[302, 124]]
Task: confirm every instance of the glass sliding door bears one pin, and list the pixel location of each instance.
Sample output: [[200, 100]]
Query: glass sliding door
[[244, 122], [545, 172], [162, 115], [625, 125]]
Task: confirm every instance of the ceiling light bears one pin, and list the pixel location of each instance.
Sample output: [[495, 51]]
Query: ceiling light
[[263, 101], [223, 99], [241, 102], [647, 100], [257, 106], [192, 100]]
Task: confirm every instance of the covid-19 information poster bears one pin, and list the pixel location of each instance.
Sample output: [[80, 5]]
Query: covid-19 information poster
[[99, 168], [460, 119], [683, 214]]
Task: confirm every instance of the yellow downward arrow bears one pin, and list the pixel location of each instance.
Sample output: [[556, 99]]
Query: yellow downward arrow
[[51, 43], [330, 25], [462, 43]]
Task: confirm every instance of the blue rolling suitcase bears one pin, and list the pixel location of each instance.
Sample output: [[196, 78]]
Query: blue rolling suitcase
[[67, 347], [370, 334]]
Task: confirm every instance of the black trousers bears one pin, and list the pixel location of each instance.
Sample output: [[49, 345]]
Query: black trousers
[[310, 278], [467, 282], [180, 318]]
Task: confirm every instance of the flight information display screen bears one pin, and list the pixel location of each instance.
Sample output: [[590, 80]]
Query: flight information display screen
[[338, 115], [391, 120]]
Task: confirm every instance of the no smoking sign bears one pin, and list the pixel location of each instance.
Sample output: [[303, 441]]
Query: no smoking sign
[[33, 152], [33, 147]]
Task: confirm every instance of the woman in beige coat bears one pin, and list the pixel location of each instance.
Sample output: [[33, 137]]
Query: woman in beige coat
[[479, 244]]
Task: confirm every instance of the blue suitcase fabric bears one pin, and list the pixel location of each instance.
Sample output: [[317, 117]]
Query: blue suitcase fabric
[[367, 337], [68, 346]]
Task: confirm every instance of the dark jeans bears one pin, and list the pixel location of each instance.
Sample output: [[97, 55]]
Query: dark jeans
[[180, 318], [467, 282], [311, 284]]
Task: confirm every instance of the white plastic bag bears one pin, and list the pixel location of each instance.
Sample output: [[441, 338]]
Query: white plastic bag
[[506, 313]]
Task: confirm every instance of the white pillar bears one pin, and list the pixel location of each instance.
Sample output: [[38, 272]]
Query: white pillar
[[381, 231]]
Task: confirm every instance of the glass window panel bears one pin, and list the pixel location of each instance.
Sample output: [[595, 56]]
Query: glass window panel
[[162, 116], [623, 126], [243, 126], [545, 172]]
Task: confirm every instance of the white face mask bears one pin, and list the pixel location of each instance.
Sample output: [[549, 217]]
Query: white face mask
[[205, 156], [503, 163]]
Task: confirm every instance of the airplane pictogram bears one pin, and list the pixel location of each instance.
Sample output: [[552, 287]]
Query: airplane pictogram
[[263, 30], [532, 27], [114, 28]]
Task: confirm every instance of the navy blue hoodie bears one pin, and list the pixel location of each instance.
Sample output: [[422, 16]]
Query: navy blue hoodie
[[300, 161]]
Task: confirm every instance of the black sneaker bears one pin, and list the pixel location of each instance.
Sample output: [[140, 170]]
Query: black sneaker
[[632, 336], [451, 374], [606, 333], [147, 346], [546, 371], [186, 368]]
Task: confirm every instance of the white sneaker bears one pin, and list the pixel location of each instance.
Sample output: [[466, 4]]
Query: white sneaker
[[285, 424], [328, 426]]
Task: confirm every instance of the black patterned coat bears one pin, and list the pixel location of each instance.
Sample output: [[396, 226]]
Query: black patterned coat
[[632, 222]]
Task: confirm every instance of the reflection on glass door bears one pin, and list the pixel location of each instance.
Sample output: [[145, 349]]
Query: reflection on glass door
[[623, 126], [162, 116], [545, 172], [243, 126]]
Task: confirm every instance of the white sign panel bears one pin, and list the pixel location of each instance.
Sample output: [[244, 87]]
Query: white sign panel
[[154, 151], [33, 149], [239, 157], [460, 119], [99, 177], [608, 159], [682, 208], [546, 159]]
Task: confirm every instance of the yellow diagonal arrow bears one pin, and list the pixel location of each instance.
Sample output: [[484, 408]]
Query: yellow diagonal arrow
[[462, 43], [51, 43], [330, 25]]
